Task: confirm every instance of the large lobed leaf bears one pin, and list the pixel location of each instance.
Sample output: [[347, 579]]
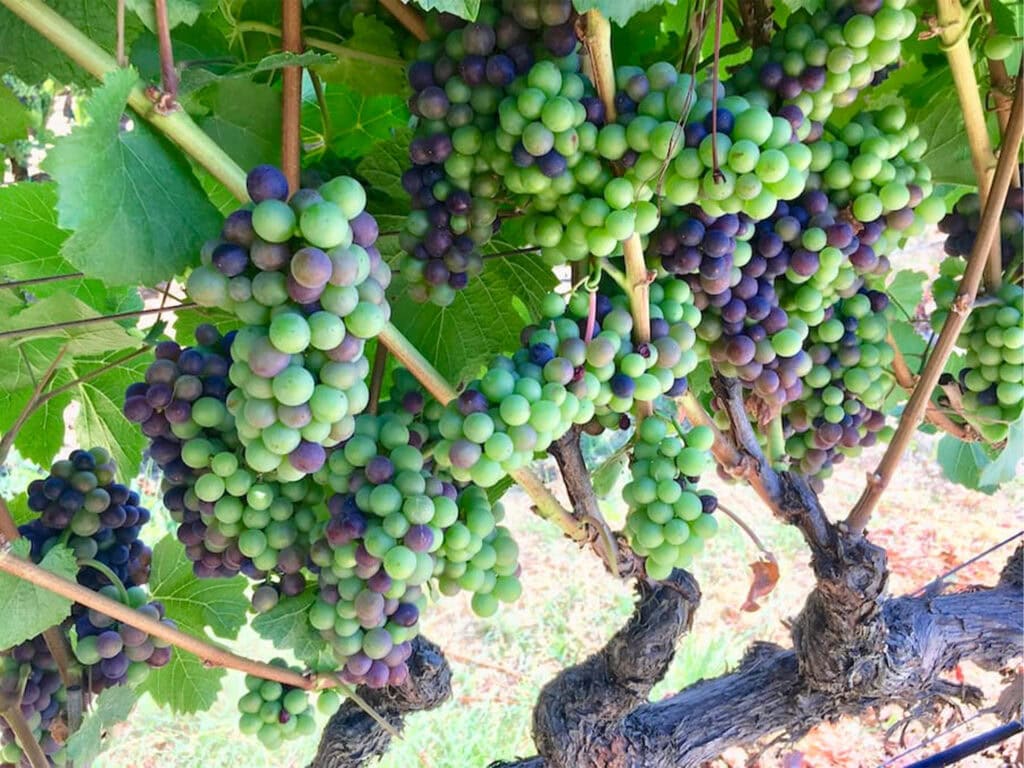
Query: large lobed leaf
[[186, 684], [29, 610], [979, 466], [287, 626], [619, 11], [356, 122], [137, 213], [111, 707]]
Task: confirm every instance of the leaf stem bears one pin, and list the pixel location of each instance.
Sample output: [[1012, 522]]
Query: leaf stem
[[341, 51], [751, 534], [176, 125], [988, 231], [954, 24], [96, 565], [206, 651], [408, 18], [34, 330], [380, 366], [168, 73], [25, 738], [291, 93]]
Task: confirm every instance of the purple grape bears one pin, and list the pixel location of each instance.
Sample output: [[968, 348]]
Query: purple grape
[[265, 182]]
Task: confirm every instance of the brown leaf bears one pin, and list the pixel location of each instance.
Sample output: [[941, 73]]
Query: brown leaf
[[766, 576]]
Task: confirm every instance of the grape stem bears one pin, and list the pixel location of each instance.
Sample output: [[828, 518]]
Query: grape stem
[[25, 738], [168, 73], [751, 534], [933, 413], [291, 93], [776, 442], [408, 18], [380, 366], [20, 333], [341, 51], [914, 412], [96, 565], [953, 24]]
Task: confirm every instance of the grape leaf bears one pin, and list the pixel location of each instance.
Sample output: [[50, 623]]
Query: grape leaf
[[18, 507], [111, 707], [186, 323], [383, 166], [33, 58], [373, 36], [196, 78], [1002, 466], [464, 9], [942, 126], [963, 462], [27, 609], [763, 583], [203, 45], [88, 339], [32, 240], [287, 626], [143, 216], [14, 118], [178, 11], [906, 289], [356, 122], [462, 338], [244, 119], [100, 420], [42, 435], [186, 684], [619, 11]]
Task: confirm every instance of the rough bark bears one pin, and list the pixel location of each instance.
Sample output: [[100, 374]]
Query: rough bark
[[770, 692], [352, 737]]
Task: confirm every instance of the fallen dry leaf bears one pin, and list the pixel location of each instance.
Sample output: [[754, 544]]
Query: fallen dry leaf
[[766, 576]]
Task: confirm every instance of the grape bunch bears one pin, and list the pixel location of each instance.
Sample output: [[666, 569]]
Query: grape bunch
[[114, 653], [961, 228], [669, 519], [822, 60], [275, 713], [840, 410], [30, 679], [991, 381], [81, 504], [491, 99], [393, 527], [306, 279]]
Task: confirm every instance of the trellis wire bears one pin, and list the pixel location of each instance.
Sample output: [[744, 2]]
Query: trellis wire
[[964, 749]]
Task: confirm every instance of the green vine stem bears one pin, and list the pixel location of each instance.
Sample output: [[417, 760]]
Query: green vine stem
[[341, 51], [776, 442], [96, 565], [954, 23], [914, 411], [25, 738], [176, 125]]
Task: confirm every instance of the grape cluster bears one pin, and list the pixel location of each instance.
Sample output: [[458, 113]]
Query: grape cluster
[[991, 381], [306, 279], [498, 101], [30, 678], [81, 504], [961, 228], [822, 60], [840, 410], [669, 519], [275, 713], [115, 653], [394, 526]]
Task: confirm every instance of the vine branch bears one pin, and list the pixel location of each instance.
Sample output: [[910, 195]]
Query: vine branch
[[408, 17], [168, 73], [291, 93], [988, 231], [25, 738], [380, 366]]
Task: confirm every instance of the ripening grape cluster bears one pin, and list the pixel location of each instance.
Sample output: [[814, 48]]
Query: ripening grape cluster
[[82, 505], [115, 653], [961, 228], [669, 519], [275, 713], [393, 526], [30, 678], [303, 275]]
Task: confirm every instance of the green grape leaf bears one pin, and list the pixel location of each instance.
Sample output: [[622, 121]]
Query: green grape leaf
[[287, 626], [15, 120], [963, 463], [462, 338], [32, 240], [33, 58], [186, 323], [100, 420], [92, 338], [186, 685], [27, 609], [111, 707], [464, 9], [383, 166], [942, 126], [1003, 464], [244, 119], [143, 216], [906, 289], [619, 11], [18, 507], [382, 71], [196, 78], [203, 45], [178, 11], [42, 435], [356, 122]]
